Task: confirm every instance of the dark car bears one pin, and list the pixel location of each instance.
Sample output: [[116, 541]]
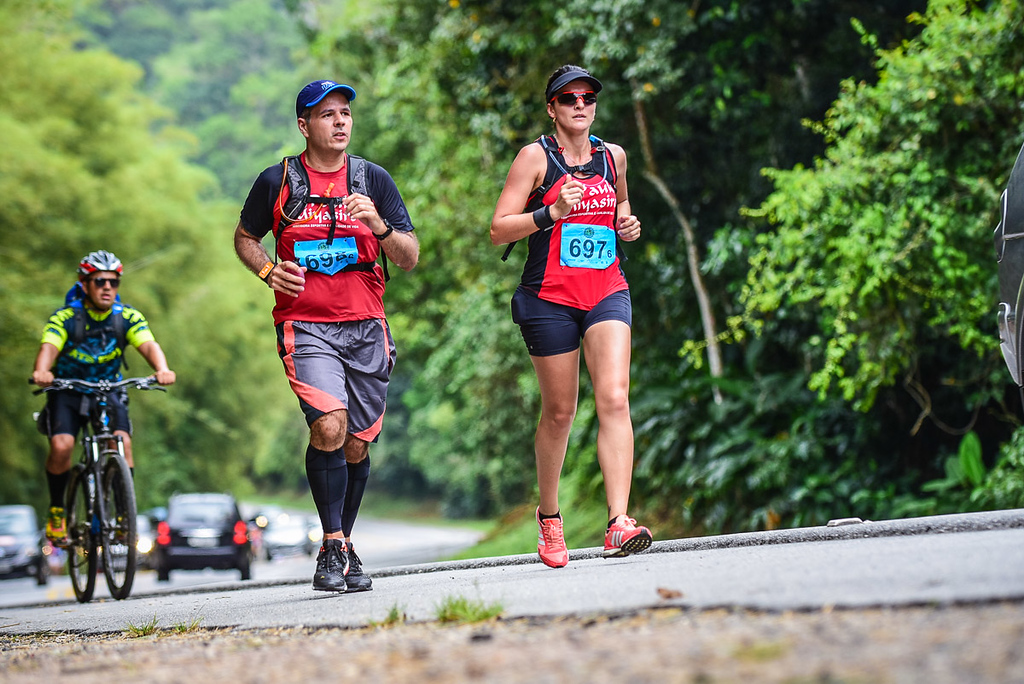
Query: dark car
[[22, 545], [202, 531]]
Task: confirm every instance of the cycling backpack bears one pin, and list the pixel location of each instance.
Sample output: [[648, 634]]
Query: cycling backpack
[[601, 164], [296, 178]]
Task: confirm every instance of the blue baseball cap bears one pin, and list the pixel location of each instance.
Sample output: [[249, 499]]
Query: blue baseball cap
[[317, 90]]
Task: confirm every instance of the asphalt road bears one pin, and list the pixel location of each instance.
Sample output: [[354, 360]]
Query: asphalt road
[[923, 561], [381, 544]]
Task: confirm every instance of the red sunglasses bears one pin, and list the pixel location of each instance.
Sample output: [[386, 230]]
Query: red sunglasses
[[569, 99]]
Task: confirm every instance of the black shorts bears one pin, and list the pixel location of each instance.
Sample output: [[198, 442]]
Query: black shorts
[[549, 329], [67, 411]]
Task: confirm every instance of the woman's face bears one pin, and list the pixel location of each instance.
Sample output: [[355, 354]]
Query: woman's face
[[574, 113]]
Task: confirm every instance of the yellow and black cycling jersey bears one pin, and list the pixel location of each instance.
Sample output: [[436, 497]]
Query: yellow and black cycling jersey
[[96, 353]]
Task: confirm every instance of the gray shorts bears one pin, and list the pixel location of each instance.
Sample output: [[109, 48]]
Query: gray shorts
[[345, 365]]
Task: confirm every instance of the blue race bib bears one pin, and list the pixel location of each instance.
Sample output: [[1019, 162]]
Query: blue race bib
[[587, 246], [317, 255]]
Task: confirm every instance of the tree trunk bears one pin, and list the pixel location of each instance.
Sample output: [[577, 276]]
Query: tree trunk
[[707, 317]]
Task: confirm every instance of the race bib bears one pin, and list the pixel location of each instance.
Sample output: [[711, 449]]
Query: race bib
[[317, 255], [587, 246]]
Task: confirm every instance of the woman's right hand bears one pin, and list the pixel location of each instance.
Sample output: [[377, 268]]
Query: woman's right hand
[[570, 195]]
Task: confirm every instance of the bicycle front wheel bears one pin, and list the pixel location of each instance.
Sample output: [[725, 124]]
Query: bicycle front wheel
[[81, 542], [117, 531]]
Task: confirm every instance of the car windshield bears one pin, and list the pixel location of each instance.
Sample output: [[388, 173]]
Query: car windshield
[[15, 523], [200, 513]]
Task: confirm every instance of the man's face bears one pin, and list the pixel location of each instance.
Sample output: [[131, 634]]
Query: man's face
[[330, 124], [101, 289]]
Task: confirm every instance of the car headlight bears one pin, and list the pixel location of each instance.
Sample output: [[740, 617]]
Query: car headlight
[[144, 545]]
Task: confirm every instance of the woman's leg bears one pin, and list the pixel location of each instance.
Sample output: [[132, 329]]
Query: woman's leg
[[606, 349], [559, 378]]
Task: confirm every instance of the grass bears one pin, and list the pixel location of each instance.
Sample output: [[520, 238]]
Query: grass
[[395, 616], [466, 611], [134, 631], [190, 626]]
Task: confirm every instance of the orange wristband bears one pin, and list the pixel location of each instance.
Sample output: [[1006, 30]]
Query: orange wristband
[[265, 271]]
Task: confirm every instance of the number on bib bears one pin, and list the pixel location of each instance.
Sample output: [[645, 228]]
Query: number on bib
[[317, 256], [587, 246]]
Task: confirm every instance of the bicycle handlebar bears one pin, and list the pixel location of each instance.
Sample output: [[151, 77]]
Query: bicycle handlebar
[[61, 384]]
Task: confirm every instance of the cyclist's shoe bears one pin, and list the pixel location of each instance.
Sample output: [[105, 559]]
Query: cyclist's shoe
[[56, 529], [356, 580], [331, 566], [551, 542], [623, 537]]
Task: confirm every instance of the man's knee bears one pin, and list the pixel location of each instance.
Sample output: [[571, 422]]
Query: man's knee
[[327, 432], [62, 444], [356, 450]]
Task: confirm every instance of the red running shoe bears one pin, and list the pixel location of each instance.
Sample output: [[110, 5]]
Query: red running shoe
[[624, 538], [551, 542]]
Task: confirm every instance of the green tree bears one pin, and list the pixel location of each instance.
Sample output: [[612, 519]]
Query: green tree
[[90, 163]]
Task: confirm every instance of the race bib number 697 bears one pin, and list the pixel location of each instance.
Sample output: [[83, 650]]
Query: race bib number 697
[[587, 246]]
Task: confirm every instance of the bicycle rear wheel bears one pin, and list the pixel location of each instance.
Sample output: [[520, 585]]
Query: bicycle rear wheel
[[81, 542], [118, 528]]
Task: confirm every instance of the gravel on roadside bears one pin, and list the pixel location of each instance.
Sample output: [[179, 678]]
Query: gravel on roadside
[[975, 643]]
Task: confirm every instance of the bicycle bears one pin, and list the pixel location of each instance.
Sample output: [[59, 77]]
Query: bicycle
[[100, 498]]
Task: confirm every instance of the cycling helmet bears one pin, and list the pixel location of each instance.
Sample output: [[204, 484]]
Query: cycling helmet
[[100, 260]]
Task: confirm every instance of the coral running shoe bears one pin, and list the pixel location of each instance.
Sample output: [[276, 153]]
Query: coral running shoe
[[56, 530], [551, 542], [623, 537]]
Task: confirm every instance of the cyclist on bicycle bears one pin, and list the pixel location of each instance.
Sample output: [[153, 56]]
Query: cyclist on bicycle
[[85, 340]]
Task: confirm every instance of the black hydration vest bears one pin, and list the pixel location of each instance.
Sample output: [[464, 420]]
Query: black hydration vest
[[297, 179], [601, 164]]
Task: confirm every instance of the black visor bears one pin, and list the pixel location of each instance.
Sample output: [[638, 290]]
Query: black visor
[[569, 77]]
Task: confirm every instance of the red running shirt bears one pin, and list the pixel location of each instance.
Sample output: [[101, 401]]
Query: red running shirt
[[548, 273]]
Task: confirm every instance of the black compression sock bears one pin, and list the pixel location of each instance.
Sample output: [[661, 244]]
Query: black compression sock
[[358, 473], [327, 473], [57, 482]]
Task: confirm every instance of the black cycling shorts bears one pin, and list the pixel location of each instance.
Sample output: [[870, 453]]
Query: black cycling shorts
[[67, 411], [549, 329]]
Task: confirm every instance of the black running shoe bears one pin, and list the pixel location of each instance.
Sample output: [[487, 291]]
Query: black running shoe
[[355, 579], [331, 566]]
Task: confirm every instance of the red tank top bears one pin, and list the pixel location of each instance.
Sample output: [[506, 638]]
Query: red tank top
[[576, 263]]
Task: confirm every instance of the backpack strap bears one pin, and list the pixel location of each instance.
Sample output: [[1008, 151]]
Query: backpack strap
[[555, 170], [295, 177], [357, 183]]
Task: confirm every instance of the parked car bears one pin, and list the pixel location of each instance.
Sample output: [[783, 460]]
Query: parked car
[[22, 544], [289, 534], [202, 531]]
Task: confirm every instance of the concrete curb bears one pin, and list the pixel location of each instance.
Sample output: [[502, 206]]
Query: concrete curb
[[847, 528]]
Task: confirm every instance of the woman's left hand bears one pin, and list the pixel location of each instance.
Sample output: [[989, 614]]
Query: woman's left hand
[[628, 228]]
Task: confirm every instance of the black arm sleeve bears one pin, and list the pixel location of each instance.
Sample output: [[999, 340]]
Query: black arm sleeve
[[257, 217]]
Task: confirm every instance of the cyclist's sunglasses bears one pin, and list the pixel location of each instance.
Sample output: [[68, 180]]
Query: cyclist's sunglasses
[[103, 282], [570, 99]]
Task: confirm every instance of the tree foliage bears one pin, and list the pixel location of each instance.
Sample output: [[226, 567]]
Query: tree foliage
[[91, 163], [860, 257], [882, 242]]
